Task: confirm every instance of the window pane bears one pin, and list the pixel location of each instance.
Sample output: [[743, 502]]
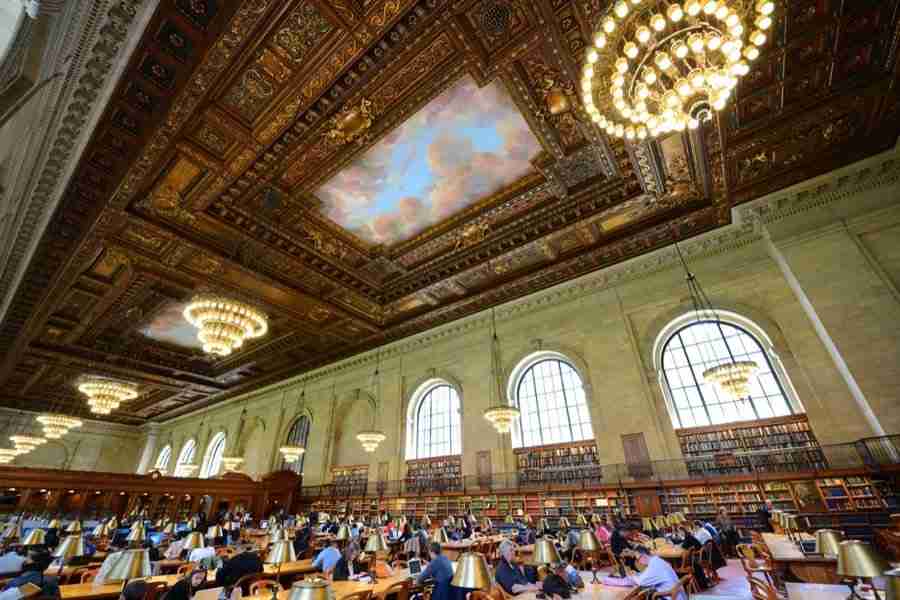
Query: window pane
[[436, 430], [553, 408]]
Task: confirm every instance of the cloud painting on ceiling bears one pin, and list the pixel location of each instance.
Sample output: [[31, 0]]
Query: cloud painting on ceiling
[[169, 326], [464, 145]]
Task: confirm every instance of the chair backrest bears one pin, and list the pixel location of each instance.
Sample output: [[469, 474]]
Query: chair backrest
[[479, 595], [88, 575], [246, 581], [361, 595], [687, 559], [155, 590], [746, 551], [672, 593], [500, 594], [186, 568], [264, 586], [761, 590], [398, 591]]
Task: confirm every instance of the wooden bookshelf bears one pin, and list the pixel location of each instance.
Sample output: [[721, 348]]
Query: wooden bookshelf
[[564, 464], [441, 474], [350, 480], [737, 448]]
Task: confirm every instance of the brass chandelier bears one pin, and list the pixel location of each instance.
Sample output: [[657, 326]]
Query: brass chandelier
[[500, 414], [224, 324], [370, 439], [26, 443], [105, 395], [56, 425], [657, 66]]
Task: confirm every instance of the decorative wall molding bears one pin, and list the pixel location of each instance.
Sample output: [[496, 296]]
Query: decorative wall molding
[[876, 172], [98, 35]]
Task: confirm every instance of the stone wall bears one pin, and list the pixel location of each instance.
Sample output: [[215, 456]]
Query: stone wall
[[815, 267]]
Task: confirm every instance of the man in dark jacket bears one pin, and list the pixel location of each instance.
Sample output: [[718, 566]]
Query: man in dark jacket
[[440, 570], [245, 563]]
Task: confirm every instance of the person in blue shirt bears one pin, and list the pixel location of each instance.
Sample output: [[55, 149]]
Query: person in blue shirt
[[327, 558], [440, 570], [33, 572], [512, 577]]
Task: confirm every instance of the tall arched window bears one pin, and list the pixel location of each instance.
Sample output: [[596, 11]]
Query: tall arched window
[[162, 461], [549, 394], [434, 422], [692, 346], [212, 461], [297, 436], [186, 456]]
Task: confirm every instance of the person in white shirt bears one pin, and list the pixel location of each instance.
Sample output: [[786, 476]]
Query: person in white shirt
[[701, 533], [198, 554], [11, 562], [174, 550], [657, 575]]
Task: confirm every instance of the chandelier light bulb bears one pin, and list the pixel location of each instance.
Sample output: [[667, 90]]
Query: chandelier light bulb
[[642, 34], [693, 7], [751, 53], [763, 22], [675, 13], [697, 43], [680, 50], [765, 7], [732, 19], [658, 22], [622, 66], [609, 25], [758, 38], [722, 12], [736, 31], [592, 56], [631, 50], [621, 9], [649, 76], [713, 42], [662, 60], [710, 7], [600, 41]]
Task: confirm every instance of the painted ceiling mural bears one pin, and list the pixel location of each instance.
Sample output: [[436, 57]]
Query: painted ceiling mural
[[169, 326], [466, 144]]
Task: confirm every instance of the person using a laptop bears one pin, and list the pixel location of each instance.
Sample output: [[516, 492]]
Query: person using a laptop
[[186, 587], [440, 570], [347, 567]]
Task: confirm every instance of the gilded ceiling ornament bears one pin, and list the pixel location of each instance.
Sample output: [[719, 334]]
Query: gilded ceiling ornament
[[471, 234], [165, 201], [352, 123]]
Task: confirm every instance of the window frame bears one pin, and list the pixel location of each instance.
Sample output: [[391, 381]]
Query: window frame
[[215, 451], [514, 386], [422, 394], [160, 465], [744, 326], [189, 447], [297, 466]]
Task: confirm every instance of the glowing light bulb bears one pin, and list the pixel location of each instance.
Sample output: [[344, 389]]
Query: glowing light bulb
[[618, 81], [684, 88], [713, 42], [740, 69], [630, 133], [642, 133], [710, 6], [588, 71], [609, 25], [672, 99], [736, 31], [620, 130], [662, 61], [763, 21], [599, 40], [722, 12], [693, 123], [649, 75], [697, 79], [621, 9], [658, 22], [675, 13], [758, 38], [642, 34], [751, 53], [732, 19], [631, 50], [592, 56], [765, 7], [697, 43], [622, 66], [719, 103], [693, 7], [642, 91]]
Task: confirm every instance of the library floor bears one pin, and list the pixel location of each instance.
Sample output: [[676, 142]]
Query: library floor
[[733, 586]]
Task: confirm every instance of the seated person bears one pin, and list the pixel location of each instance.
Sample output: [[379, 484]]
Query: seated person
[[556, 583], [572, 539], [135, 590], [347, 567], [174, 549], [572, 575], [200, 554], [658, 575], [11, 562], [700, 533], [440, 570], [512, 577], [244, 563], [327, 559], [186, 587], [302, 540], [32, 572], [621, 548]]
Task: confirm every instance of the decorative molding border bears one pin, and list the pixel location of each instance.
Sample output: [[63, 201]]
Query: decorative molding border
[[872, 173], [99, 36]]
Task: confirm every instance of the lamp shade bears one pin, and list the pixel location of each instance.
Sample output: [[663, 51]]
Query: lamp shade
[[544, 553], [791, 523], [169, 529], [509, 519], [487, 524], [310, 589], [646, 524], [376, 543], [581, 520], [13, 531], [828, 541], [74, 527], [112, 524], [564, 523], [215, 532], [71, 547], [528, 519], [859, 559], [193, 541], [280, 553], [137, 533], [343, 533], [35, 537], [99, 530], [659, 521], [132, 564], [54, 524], [426, 521], [544, 525], [440, 536], [588, 542], [472, 572]]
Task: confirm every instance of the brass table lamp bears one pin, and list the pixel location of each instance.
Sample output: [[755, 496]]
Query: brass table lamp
[[54, 524], [193, 541], [74, 527], [35, 537], [858, 561], [544, 555], [310, 589], [472, 573], [543, 526], [564, 523], [828, 542], [133, 564], [375, 544], [215, 532], [509, 519], [588, 542], [440, 536], [280, 553], [69, 548], [137, 535], [581, 520], [343, 534]]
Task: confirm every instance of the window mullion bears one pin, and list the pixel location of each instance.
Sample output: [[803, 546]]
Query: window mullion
[[694, 377], [562, 385]]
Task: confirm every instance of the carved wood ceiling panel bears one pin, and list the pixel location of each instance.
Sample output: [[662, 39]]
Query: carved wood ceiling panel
[[204, 172]]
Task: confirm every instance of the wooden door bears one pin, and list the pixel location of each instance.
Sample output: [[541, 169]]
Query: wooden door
[[637, 457], [483, 468]]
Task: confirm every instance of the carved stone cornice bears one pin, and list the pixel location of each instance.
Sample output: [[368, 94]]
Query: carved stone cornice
[[96, 33], [876, 172]]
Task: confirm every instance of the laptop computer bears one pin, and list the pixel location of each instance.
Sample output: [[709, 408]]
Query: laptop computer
[[415, 566]]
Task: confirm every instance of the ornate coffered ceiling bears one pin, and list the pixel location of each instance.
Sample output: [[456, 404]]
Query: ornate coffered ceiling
[[367, 169]]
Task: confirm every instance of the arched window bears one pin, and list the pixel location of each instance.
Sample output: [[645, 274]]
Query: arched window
[[692, 346], [186, 456], [162, 461], [297, 436], [434, 421], [212, 461], [549, 394]]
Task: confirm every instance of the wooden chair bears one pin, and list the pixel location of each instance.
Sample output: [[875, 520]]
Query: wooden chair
[[479, 595], [686, 571], [756, 564], [761, 590], [185, 569], [500, 594], [672, 593], [706, 563], [155, 590], [361, 595], [264, 586], [617, 567], [246, 581], [88, 575], [397, 591]]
